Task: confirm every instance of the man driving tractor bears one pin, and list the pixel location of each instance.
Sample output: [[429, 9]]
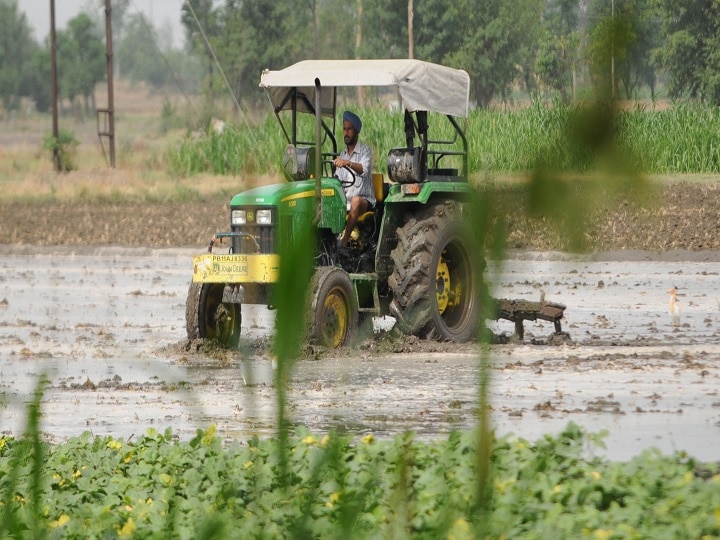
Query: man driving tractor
[[358, 158]]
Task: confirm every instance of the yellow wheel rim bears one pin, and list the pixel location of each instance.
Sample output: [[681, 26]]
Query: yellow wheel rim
[[335, 318], [442, 285]]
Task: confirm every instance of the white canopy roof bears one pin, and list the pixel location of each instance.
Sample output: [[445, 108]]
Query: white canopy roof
[[423, 86]]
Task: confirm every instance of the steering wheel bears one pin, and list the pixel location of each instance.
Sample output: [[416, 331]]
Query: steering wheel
[[347, 183]]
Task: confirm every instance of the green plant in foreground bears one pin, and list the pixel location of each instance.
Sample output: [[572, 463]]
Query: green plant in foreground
[[65, 147], [350, 487]]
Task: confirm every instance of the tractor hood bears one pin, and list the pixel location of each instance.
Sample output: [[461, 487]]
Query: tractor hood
[[423, 86]]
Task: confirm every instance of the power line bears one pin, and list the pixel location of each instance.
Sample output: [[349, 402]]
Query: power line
[[212, 51], [151, 30]]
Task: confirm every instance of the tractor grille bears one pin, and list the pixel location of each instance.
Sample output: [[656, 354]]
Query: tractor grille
[[254, 235]]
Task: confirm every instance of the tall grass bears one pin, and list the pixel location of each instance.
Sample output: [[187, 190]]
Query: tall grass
[[684, 138]]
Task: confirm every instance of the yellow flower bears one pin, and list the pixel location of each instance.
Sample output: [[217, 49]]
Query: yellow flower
[[595, 475], [325, 440], [459, 530], [166, 480], [2, 442], [128, 529], [248, 464], [334, 498], [310, 439], [501, 486], [59, 522], [557, 489], [76, 474], [368, 439], [209, 435], [602, 534], [114, 445]]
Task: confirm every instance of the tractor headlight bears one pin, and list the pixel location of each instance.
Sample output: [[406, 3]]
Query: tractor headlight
[[238, 217], [263, 217]]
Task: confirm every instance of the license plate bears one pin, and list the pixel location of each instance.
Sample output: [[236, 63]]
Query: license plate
[[236, 268]]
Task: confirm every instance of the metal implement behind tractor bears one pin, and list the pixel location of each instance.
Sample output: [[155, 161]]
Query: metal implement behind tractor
[[414, 256]]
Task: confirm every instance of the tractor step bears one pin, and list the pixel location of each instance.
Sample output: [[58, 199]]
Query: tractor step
[[367, 293], [518, 311]]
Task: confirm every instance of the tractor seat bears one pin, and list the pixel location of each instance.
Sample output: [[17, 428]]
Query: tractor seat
[[379, 187]]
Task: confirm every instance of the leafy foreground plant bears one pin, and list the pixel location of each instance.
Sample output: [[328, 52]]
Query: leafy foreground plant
[[339, 486]]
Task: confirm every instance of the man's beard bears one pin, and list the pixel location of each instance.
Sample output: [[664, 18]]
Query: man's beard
[[349, 140]]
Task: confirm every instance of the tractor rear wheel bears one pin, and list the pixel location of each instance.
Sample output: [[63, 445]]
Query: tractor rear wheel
[[437, 275], [332, 306], [207, 316]]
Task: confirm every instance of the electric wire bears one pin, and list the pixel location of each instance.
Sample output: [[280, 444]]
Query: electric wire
[[151, 30], [217, 63]]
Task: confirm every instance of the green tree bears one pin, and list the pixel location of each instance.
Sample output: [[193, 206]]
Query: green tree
[[494, 35], [437, 29], [620, 47], [384, 29], [690, 47], [203, 29], [38, 79], [558, 47], [17, 49], [338, 27], [263, 34], [141, 58], [81, 60]]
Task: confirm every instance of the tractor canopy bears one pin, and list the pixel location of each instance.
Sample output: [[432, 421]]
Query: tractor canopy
[[423, 86]]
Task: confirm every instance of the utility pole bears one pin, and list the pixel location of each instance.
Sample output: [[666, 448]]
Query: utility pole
[[411, 52], [54, 88], [111, 97], [106, 117], [612, 51], [358, 44]]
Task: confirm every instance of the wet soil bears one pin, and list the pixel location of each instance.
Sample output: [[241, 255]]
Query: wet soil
[[104, 327], [92, 301]]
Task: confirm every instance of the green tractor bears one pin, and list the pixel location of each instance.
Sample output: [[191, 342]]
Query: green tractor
[[412, 257]]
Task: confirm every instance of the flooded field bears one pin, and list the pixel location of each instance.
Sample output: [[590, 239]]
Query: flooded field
[[105, 328]]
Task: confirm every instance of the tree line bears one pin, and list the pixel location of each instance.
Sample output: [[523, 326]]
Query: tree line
[[559, 49]]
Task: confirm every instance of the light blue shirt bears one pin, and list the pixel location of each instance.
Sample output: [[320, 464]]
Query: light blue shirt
[[363, 182]]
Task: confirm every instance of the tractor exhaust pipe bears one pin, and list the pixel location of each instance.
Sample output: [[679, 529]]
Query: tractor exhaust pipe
[[318, 157]]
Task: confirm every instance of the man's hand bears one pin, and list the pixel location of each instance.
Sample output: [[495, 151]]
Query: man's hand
[[342, 162]]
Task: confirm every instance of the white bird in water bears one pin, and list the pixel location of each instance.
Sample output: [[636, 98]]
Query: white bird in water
[[674, 307]]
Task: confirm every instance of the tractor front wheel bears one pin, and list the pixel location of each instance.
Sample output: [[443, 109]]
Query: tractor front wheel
[[332, 308], [208, 317]]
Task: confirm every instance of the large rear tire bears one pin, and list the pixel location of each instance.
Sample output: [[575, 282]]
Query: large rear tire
[[206, 316], [437, 275], [332, 306]]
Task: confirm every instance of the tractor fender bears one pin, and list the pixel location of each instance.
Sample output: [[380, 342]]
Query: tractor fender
[[422, 193]]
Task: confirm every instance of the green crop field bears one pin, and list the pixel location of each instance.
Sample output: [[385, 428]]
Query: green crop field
[[336, 486]]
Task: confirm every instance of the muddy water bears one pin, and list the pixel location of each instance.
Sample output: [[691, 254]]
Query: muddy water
[[105, 327]]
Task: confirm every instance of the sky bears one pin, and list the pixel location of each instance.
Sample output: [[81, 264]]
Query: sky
[[160, 12]]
